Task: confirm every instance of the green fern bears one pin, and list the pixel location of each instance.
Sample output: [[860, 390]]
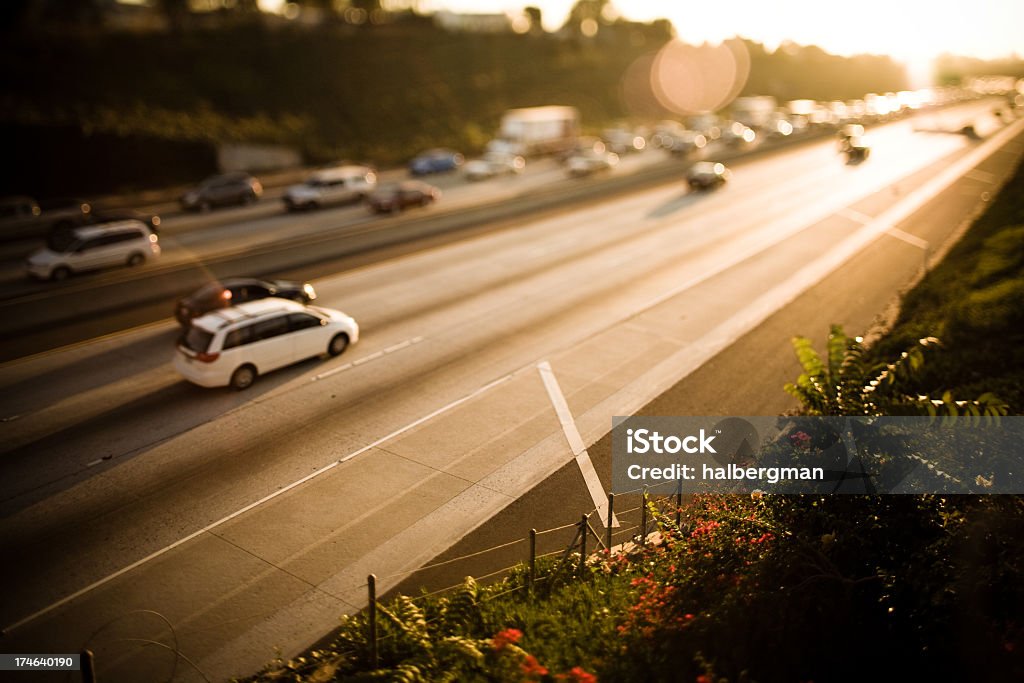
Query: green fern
[[845, 383]]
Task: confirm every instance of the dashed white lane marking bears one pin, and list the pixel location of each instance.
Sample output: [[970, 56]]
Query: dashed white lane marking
[[983, 176], [909, 239], [227, 518], [854, 215], [572, 435], [366, 359]]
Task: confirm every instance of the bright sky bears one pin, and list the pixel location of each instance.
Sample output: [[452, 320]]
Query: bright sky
[[912, 30]]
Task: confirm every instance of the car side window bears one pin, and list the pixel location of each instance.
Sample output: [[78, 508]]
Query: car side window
[[126, 236], [249, 293], [270, 328], [239, 337], [88, 245], [302, 321]]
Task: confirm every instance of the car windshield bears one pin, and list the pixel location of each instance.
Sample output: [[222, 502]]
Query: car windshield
[[197, 339], [60, 241]]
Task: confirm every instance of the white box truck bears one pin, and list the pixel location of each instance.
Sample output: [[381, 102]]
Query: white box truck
[[534, 131]]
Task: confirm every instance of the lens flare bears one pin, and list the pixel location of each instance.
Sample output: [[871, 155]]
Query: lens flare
[[688, 79]]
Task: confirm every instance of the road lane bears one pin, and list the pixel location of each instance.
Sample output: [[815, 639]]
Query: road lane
[[569, 306], [238, 231]]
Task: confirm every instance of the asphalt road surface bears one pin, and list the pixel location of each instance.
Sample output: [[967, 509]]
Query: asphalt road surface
[[249, 521]]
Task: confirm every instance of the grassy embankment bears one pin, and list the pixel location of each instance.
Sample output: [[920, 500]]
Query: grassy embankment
[[773, 588]]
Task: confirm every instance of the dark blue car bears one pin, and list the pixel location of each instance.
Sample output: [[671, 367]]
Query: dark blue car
[[436, 161]]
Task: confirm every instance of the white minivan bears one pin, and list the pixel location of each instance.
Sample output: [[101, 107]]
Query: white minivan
[[233, 346], [340, 185], [118, 243]]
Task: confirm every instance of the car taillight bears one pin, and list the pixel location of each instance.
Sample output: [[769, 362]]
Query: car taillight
[[207, 357]]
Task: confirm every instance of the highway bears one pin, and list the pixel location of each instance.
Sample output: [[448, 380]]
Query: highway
[[250, 520]]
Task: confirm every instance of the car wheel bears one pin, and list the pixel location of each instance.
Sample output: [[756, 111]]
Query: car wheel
[[396, 207], [243, 377], [60, 273], [248, 198], [205, 206], [136, 259], [338, 344]]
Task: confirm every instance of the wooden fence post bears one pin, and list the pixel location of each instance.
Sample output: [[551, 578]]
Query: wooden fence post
[[611, 513], [371, 584]]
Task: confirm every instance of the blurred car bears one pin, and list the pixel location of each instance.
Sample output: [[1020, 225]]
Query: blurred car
[[706, 175], [735, 133], [238, 290], [685, 142], [396, 197], [850, 130], [25, 217], [494, 164], [664, 131], [623, 141], [19, 216], [222, 190], [233, 346], [436, 161], [856, 149], [122, 243], [339, 185], [590, 161], [65, 211]]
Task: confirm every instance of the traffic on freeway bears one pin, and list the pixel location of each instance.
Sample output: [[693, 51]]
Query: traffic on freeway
[[227, 401], [106, 440]]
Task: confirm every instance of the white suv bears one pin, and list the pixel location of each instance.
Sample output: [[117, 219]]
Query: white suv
[[232, 346], [120, 243], [341, 185]]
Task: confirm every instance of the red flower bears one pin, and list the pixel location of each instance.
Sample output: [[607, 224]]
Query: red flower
[[531, 667], [577, 675], [506, 637]]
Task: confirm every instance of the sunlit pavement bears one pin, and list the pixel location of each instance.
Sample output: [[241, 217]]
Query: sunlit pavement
[[439, 418]]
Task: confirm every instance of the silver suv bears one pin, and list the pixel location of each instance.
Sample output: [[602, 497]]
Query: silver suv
[[122, 243], [341, 185]]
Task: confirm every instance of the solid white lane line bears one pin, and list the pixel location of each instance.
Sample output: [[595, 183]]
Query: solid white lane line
[[572, 435], [227, 518], [373, 356], [558, 402]]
